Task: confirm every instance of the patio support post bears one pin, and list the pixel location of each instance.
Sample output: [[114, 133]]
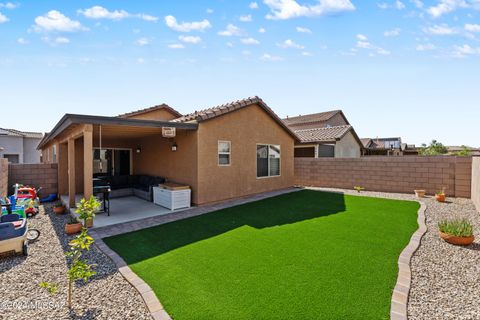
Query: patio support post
[[62, 159], [88, 161], [71, 172]]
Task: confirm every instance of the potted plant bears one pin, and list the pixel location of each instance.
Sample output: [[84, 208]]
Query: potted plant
[[456, 231], [59, 208], [73, 226], [440, 196], [86, 210], [420, 193]]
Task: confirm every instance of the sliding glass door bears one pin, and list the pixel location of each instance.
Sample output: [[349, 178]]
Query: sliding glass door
[[112, 162]]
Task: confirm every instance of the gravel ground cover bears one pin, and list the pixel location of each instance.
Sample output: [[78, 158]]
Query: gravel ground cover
[[106, 296], [445, 278]]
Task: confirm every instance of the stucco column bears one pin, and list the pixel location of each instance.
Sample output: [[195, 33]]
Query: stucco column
[[88, 161], [71, 172]]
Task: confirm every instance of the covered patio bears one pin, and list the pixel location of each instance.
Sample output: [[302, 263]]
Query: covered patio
[[133, 153]]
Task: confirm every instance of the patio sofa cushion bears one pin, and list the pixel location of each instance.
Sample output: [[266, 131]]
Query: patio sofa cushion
[[141, 184]]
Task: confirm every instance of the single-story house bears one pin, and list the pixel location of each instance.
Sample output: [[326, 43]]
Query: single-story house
[[20, 146], [325, 134], [232, 150]]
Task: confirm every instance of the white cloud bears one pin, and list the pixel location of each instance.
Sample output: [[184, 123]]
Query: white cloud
[[9, 5], [98, 12], [143, 41], [250, 41], [3, 18], [440, 30], [269, 57], [362, 37], [290, 44], [417, 3], [22, 41], [303, 30], [210, 11], [172, 23], [230, 31], [425, 47], [253, 5], [288, 9], [190, 39], [229, 44], [447, 6], [363, 43], [262, 30], [176, 46], [141, 61], [56, 21], [246, 18], [392, 33], [399, 5], [246, 52], [55, 41], [307, 54], [464, 51], [472, 27]]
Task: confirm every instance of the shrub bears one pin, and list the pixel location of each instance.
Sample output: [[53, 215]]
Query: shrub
[[456, 227]]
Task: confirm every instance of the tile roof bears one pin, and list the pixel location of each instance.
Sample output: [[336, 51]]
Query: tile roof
[[210, 113], [314, 117], [158, 107], [327, 134], [25, 134], [366, 142]]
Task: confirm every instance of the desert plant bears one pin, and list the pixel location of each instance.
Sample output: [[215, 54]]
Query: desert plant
[[51, 287], [72, 220], [465, 152], [441, 192], [58, 204], [86, 209], [358, 188], [456, 227]]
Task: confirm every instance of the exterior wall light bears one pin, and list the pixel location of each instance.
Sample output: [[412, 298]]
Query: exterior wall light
[[174, 146], [138, 150]]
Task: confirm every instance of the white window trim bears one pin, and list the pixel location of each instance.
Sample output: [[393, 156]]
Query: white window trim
[[54, 153], [229, 153], [279, 162]]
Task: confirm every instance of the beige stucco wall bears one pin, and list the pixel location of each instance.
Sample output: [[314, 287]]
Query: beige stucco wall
[[476, 182], [157, 158], [244, 128], [160, 114], [347, 147]]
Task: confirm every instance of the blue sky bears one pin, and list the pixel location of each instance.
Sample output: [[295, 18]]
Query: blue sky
[[396, 68]]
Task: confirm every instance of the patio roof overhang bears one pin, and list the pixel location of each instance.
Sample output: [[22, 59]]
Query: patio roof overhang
[[74, 119]]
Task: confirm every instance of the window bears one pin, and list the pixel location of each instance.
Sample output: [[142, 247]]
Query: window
[[224, 152], [268, 160], [54, 160]]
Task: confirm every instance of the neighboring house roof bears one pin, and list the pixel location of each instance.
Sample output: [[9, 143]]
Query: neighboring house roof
[[326, 135], [25, 134], [70, 119], [211, 113], [366, 142], [314, 117], [154, 108], [379, 143]]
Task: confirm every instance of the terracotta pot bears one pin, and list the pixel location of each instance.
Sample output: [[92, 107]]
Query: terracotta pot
[[73, 228], [89, 223], [459, 241], [440, 197], [420, 193], [59, 210]]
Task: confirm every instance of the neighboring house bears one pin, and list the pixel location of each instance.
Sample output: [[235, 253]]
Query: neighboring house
[[20, 146], [325, 134], [454, 149], [233, 150], [387, 147]]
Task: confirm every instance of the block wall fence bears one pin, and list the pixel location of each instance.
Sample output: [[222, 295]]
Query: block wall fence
[[43, 175], [476, 182], [3, 177], [389, 174]]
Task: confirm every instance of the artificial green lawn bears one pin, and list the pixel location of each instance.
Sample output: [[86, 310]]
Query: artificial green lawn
[[303, 255]]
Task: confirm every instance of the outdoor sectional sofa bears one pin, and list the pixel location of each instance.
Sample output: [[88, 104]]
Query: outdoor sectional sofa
[[132, 185]]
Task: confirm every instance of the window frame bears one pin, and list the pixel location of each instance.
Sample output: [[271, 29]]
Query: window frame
[[54, 153], [229, 153], [268, 162]]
